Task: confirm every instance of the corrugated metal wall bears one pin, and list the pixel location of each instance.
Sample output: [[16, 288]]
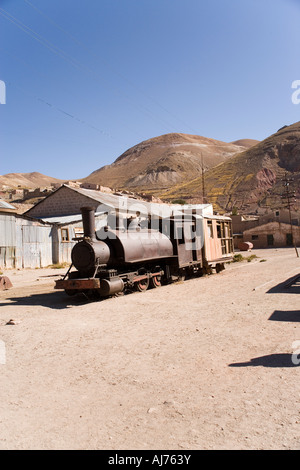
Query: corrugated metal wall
[[7, 241], [24, 243]]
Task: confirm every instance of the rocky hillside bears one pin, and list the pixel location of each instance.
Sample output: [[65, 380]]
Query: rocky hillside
[[252, 178], [27, 180], [163, 161]]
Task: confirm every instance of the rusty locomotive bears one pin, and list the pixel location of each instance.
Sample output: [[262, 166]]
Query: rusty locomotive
[[134, 255]]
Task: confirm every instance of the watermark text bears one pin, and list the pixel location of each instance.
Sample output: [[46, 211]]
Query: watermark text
[[296, 353], [2, 92], [296, 93]]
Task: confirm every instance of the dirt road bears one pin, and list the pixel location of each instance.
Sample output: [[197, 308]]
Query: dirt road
[[209, 363]]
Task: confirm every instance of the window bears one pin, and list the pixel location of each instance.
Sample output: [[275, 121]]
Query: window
[[209, 229], [226, 229], [180, 235], [270, 240], [78, 232], [289, 239], [254, 237], [65, 235]]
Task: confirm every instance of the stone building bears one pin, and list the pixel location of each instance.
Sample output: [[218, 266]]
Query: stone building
[[243, 228], [273, 234]]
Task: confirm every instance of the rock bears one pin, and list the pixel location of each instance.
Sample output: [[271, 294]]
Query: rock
[[13, 322], [5, 283], [151, 410]]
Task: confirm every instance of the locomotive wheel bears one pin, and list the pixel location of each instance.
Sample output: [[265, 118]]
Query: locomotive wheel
[[181, 275], [155, 281], [142, 285]]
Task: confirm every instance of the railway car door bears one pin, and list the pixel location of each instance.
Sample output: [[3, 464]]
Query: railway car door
[[185, 256], [189, 241]]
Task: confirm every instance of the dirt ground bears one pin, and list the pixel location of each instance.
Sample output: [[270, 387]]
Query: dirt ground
[[209, 363]]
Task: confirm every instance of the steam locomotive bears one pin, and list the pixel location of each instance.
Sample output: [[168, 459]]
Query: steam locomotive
[[135, 255]]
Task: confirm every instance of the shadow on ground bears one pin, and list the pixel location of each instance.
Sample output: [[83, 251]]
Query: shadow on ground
[[289, 315], [290, 286], [54, 300], [271, 360]]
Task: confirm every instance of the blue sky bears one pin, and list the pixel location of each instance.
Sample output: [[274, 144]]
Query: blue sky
[[88, 79]]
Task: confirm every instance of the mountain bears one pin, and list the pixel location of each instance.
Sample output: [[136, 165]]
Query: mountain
[[27, 180], [163, 161], [247, 143], [251, 179]]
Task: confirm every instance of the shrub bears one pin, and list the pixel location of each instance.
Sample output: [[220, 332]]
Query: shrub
[[237, 258], [179, 201]]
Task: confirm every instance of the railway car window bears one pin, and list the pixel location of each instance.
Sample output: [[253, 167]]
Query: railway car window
[[65, 235], [180, 235], [163, 226], [209, 229], [226, 230]]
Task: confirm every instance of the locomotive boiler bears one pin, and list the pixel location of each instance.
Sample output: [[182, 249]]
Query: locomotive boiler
[[132, 257]]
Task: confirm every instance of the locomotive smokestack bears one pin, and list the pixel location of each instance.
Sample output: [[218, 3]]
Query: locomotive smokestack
[[88, 221]]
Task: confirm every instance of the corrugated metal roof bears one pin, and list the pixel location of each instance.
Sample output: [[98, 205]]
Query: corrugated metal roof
[[217, 217], [6, 205], [124, 203], [66, 219]]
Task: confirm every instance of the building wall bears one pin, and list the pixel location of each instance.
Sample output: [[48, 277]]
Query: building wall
[[7, 241], [239, 223], [64, 238], [261, 236], [282, 216], [24, 243], [64, 201]]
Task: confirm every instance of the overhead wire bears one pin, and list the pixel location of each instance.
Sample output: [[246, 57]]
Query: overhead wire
[[79, 43], [68, 58], [82, 121], [62, 111], [36, 36]]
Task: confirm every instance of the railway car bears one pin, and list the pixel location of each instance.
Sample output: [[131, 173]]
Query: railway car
[[136, 256]]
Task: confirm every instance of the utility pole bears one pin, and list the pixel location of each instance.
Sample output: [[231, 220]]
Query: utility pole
[[290, 197], [203, 185]]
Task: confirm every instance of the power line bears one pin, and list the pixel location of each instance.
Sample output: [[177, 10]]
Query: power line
[[79, 43], [59, 52], [23, 62], [62, 111], [37, 36]]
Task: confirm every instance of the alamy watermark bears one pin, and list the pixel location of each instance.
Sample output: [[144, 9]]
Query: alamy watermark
[[296, 93], [2, 92], [296, 353], [133, 218]]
